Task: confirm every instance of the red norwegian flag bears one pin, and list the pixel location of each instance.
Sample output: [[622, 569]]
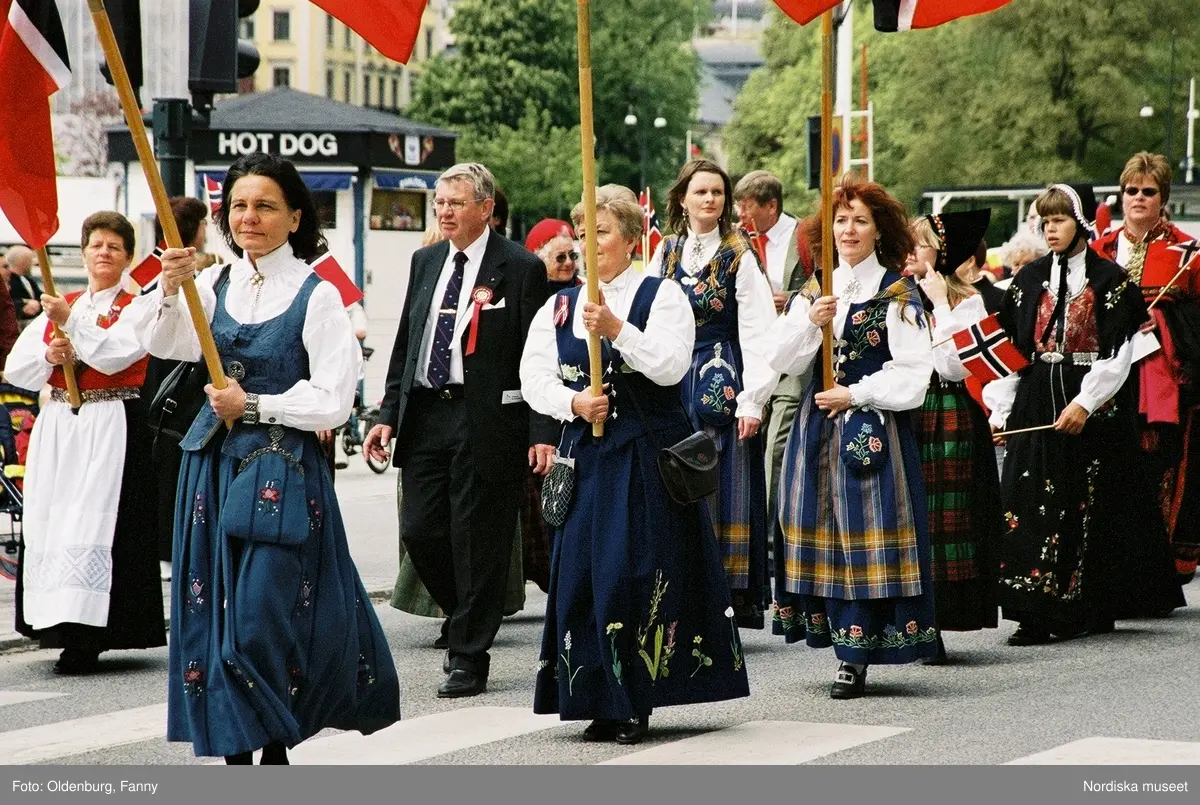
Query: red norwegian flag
[[33, 66], [213, 190], [390, 26], [896, 15], [986, 351], [331, 270], [145, 272], [651, 234]]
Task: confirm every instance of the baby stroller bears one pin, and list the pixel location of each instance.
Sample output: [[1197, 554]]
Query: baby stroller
[[18, 410]]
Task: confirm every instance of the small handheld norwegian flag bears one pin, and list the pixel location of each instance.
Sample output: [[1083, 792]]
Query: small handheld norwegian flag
[[142, 277], [986, 351]]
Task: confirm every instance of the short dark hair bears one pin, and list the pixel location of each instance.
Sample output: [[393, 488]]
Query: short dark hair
[[307, 241], [189, 214], [676, 221], [108, 221]]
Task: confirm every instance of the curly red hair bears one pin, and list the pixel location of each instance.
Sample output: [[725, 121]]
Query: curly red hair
[[891, 220]]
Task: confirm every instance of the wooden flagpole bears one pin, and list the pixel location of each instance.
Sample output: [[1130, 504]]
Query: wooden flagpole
[[588, 143], [1022, 430], [73, 395], [827, 261], [646, 232], [162, 204]]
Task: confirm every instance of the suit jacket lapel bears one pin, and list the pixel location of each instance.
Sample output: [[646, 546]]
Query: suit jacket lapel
[[491, 272], [423, 298], [791, 264]]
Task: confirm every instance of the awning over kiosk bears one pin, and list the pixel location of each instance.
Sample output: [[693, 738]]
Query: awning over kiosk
[[406, 180], [315, 180]]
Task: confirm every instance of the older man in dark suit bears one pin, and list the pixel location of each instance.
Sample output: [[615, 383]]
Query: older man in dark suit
[[463, 432]]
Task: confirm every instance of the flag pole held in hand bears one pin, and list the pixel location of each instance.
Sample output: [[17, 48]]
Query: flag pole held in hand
[[588, 143], [162, 204], [73, 395]]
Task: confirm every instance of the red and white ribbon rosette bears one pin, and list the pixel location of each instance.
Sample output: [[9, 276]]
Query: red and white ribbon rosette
[[481, 296]]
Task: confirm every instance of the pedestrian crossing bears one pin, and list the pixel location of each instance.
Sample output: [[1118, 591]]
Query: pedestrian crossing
[[426, 737]]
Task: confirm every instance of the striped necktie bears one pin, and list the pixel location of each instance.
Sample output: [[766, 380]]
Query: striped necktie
[[443, 336]]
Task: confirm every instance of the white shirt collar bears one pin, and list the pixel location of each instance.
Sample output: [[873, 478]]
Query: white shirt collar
[[708, 239], [620, 281], [274, 262], [475, 251], [103, 298], [782, 227]]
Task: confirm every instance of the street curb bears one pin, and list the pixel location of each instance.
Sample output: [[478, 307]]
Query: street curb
[[15, 645]]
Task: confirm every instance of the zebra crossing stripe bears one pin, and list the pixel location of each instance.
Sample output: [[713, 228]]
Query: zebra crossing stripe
[[759, 743], [78, 735], [417, 739], [1101, 751], [8, 697]]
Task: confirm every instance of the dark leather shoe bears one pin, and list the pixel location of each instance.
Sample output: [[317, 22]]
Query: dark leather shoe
[[446, 662], [1029, 636], [940, 658], [848, 683], [602, 729], [462, 682], [76, 663], [633, 731], [1101, 627]]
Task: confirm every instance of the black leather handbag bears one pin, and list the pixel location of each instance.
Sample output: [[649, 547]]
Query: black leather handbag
[[178, 401], [689, 468]]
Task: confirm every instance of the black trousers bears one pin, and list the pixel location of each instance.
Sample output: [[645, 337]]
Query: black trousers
[[458, 521]]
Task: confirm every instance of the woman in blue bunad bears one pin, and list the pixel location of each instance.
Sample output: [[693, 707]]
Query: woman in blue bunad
[[729, 381], [272, 635], [852, 551], [638, 614]]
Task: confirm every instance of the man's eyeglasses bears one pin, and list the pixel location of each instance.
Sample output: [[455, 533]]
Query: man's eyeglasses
[[440, 204], [1148, 192], [562, 257]]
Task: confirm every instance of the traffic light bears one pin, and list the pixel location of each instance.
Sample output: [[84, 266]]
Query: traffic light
[[217, 58], [126, 19]]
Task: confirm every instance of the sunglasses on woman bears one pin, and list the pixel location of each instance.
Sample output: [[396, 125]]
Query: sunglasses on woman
[[561, 257], [1148, 192]]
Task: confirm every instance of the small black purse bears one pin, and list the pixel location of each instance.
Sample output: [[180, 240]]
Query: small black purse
[[688, 468], [178, 401]]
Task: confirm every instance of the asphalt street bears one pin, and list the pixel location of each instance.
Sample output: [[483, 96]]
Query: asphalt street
[[1128, 696]]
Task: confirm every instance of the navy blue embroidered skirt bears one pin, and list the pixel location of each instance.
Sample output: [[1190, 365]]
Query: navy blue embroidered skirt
[[269, 642], [638, 614]]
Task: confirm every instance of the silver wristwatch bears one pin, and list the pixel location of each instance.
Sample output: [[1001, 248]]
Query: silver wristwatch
[[250, 417]]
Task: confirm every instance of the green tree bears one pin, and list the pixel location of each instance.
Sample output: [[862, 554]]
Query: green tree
[[537, 163], [1039, 91], [520, 52]]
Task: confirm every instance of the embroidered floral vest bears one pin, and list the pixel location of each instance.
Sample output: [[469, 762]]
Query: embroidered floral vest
[[712, 292], [90, 379]]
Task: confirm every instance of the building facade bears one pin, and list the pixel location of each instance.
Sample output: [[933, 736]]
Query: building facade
[[305, 48]]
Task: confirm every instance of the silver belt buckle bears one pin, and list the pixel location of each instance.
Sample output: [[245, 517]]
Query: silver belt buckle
[[1052, 357]]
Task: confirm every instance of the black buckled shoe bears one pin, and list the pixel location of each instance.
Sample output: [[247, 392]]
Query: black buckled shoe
[[1029, 636], [848, 683], [602, 729], [462, 682], [633, 731], [1101, 626]]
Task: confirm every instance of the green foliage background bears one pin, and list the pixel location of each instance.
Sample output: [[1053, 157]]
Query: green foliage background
[[1039, 91]]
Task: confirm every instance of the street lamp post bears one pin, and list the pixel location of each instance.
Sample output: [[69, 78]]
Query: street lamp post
[[631, 120]]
